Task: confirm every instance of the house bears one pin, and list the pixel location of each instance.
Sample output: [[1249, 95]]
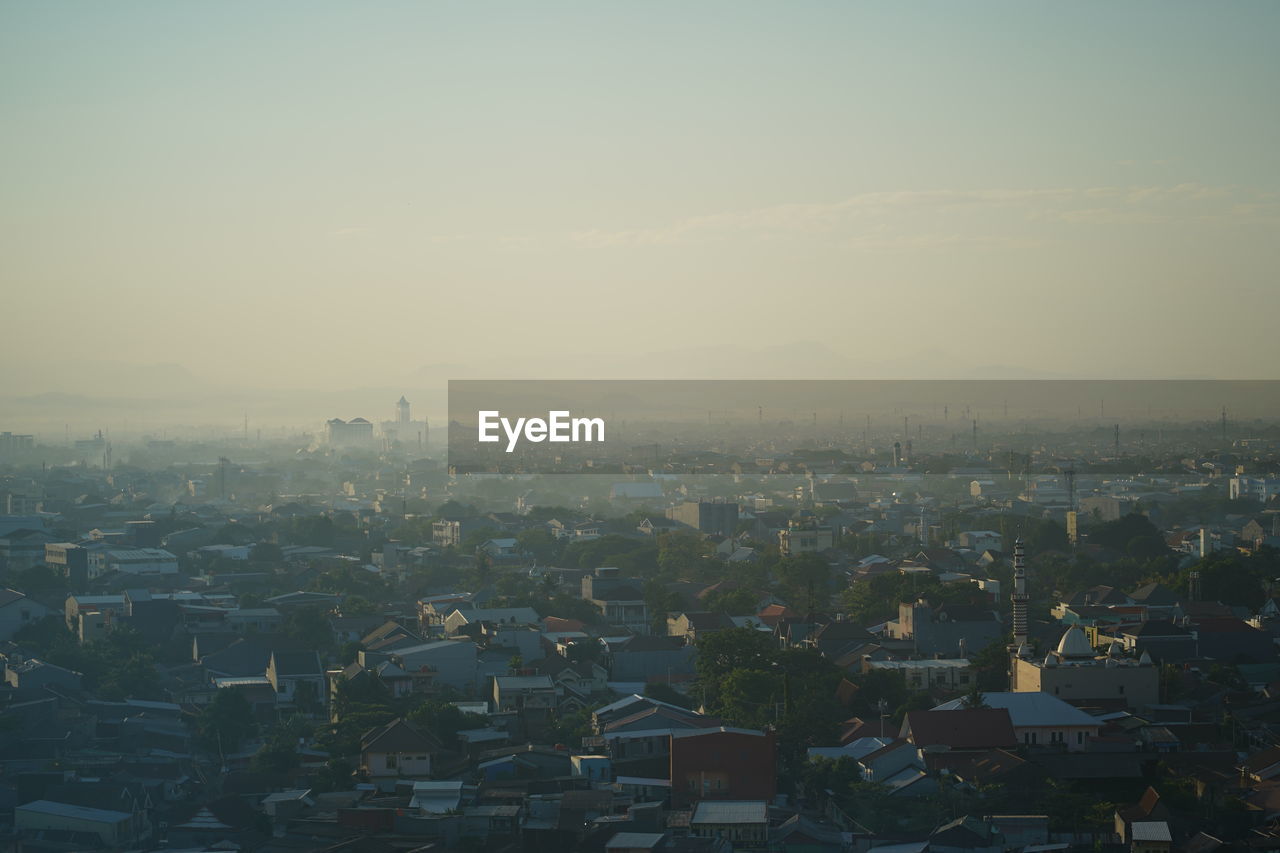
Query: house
[[898, 760], [965, 835], [981, 540], [303, 598], [527, 695], [691, 626], [953, 630], [634, 842], [743, 823], [436, 797], [644, 658], [620, 600], [1225, 638], [451, 662], [459, 621], [805, 536], [502, 550], [1163, 640], [948, 674], [297, 677], [262, 620], [398, 750], [722, 764], [573, 678], [1040, 719], [112, 829], [1150, 836], [23, 549], [976, 728], [136, 561], [17, 611], [34, 673], [1263, 765], [1148, 809]]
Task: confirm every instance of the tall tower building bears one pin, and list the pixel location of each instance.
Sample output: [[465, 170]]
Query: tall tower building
[[403, 431], [1020, 598]]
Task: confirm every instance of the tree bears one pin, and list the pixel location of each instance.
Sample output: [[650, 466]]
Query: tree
[[444, 720], [990, 666], [974, 698], [226, 722], [681, 554], [806, 581], [666, 693], [735, 602], [279, 755], [266, 552], [539, 544], [358, 605], [336, 775], [721, 652], [309, 626]]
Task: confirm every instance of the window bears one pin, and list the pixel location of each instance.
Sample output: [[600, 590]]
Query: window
[[1079, 737], [392, 761]]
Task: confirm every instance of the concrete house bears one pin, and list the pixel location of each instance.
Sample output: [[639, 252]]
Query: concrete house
[[297, 677], [16, 611], [398, 750]]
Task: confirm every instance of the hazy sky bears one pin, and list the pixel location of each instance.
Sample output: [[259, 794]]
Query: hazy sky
[[335, 195]]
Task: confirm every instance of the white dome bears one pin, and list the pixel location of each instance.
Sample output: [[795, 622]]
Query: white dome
[[1074, 644]]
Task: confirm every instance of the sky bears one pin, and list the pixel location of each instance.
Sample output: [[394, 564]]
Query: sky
[[333, 196]]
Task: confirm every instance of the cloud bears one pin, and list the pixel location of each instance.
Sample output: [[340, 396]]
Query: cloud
[[906, 218]]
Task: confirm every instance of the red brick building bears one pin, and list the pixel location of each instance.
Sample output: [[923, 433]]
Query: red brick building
[[722, 764]]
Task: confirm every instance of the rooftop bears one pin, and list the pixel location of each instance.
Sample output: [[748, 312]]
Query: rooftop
[[731, 811]]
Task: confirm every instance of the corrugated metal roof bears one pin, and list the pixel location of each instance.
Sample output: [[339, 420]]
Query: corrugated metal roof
[[1150, 830], [731, 811]]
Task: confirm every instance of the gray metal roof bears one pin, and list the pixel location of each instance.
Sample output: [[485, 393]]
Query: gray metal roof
[[634, 840], [731, 811], [1150, 830]]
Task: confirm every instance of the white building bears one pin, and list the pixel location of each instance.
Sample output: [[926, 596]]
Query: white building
[[402, 430], [132, 561], [355, 433], [16, 610], [1260, 489]]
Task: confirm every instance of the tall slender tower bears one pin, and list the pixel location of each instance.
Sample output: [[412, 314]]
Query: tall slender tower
[[1020, 598], [402, 411]]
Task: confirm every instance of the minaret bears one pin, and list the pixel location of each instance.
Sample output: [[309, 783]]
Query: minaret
[[1020, 599], [402, 411]]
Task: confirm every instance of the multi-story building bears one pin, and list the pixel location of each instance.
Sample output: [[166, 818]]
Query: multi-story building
[[620, 600], [717, 516], [355, 433], [805, 537], [954, 630]]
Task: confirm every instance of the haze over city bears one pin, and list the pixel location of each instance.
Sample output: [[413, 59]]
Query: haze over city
[[444, 426], [220, 204]]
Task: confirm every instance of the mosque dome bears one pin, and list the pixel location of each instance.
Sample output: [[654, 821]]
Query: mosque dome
[[1074, 644]]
